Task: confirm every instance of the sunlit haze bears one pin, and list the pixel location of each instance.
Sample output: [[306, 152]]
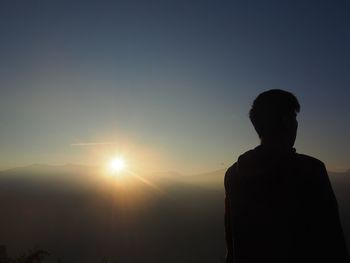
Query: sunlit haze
[[116, 165]]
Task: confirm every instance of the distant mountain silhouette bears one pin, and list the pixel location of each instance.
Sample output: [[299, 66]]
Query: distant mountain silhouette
[[79, 214]]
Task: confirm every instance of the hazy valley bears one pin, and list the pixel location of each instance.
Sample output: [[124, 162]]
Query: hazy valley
[[79, 214]]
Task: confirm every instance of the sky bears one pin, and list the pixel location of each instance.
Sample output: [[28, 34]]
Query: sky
[[168, 84]]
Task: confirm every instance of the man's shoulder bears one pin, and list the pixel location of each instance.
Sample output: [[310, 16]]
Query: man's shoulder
[[231, 169], [309, 161], [230, 172]]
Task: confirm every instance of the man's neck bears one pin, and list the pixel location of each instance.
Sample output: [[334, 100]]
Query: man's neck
[[276, 145]]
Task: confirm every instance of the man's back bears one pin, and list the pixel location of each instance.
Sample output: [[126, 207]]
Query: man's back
[[280, 207]]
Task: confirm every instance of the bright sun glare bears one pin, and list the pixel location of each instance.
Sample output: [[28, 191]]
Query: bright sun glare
[[116, 165]]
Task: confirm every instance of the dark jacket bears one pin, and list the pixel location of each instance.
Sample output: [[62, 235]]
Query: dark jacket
[[280, 207]]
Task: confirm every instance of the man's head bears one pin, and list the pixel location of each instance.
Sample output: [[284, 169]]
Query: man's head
[[273, 115]]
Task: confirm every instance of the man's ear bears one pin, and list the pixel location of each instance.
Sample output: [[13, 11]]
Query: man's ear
[[289, 122], [286, 122]]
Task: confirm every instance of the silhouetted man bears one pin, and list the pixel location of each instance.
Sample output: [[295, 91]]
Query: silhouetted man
[[279, 205]]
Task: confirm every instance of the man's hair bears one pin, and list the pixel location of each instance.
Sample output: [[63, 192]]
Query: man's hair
[[269, 110]]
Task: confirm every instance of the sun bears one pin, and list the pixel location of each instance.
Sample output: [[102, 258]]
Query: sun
[[116, 165]]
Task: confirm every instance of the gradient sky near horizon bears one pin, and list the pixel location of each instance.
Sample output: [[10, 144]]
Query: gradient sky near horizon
[[167, 83]]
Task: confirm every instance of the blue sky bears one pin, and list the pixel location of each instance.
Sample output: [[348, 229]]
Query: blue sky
[[173, 80]]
